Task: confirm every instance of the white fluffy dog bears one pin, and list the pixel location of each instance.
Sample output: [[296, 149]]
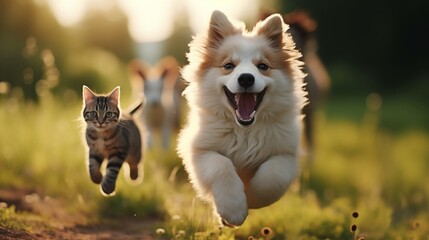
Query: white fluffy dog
[[245, 94]]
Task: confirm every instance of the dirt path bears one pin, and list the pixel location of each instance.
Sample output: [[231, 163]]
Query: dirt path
[[48, 220], [125, 229]]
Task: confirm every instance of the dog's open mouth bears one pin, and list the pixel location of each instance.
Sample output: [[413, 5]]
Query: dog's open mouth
[[245, 104]]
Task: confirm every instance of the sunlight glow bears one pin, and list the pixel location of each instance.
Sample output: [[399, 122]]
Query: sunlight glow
[[68, 12], [199, 12], [4, 87], [153, 21], [149, 21]]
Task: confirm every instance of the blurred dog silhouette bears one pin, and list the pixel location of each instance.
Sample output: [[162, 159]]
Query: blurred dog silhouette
[[161, 87], [303, 27]]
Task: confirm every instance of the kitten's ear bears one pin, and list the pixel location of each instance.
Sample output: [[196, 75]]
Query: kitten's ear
[[273, 29], [114, 95], [220, 28], [87, 95]]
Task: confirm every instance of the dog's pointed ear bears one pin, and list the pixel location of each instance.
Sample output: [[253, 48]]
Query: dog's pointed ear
[[273, 29], [220, 28], [169, 68], [138, 69]]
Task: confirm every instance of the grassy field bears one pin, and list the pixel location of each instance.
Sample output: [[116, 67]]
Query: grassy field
[[358, 168]]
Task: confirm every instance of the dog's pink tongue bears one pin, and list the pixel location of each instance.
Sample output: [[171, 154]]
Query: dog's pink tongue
[[246, 105]]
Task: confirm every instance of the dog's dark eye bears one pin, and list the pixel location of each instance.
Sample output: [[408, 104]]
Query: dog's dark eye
[[93, 114], [229, 66], [263, 67]]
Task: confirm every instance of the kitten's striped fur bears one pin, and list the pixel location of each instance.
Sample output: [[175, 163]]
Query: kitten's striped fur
[[110, 135]]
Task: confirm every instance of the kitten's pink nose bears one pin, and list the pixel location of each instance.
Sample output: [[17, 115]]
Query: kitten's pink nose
[[100, 124]]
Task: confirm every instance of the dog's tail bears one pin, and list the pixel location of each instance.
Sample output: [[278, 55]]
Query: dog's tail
[[137, 106]]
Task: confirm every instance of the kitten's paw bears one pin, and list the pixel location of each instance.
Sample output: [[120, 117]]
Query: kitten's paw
[[107, 194], [96, 178], [107, 190], [133, 175], [135, 181]]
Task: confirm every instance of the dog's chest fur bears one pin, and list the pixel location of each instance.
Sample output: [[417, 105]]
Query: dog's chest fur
[[248, 147]]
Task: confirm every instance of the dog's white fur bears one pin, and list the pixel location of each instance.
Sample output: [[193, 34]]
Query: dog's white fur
[[233, 166]]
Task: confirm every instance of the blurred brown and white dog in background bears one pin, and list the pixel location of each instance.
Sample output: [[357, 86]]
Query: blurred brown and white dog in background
[[161, 87], [303, 28]]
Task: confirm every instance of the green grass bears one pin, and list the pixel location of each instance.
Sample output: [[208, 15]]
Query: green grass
[[397, 112], [357, 167]]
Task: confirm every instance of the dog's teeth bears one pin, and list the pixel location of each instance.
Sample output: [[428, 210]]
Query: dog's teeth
[[254, 97], [236, 97], [253, 114], [237, 113]]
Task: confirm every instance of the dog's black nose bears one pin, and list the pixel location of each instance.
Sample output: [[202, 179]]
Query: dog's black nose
[[246, 80]]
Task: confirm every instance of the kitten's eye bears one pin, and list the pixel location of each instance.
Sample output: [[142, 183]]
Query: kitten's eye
[[262, 67], [93, 114], [229, 66], [108, 114]]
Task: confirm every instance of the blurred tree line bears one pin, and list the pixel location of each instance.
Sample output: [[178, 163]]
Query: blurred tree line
[[29, 30], [366, 46], [369, 45]]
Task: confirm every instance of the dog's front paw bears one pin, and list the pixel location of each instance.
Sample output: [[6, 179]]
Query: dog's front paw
[[225, 223], [234, 215], [232, 209]]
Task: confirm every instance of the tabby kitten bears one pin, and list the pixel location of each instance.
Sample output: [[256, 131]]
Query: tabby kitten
[[112, 136]]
